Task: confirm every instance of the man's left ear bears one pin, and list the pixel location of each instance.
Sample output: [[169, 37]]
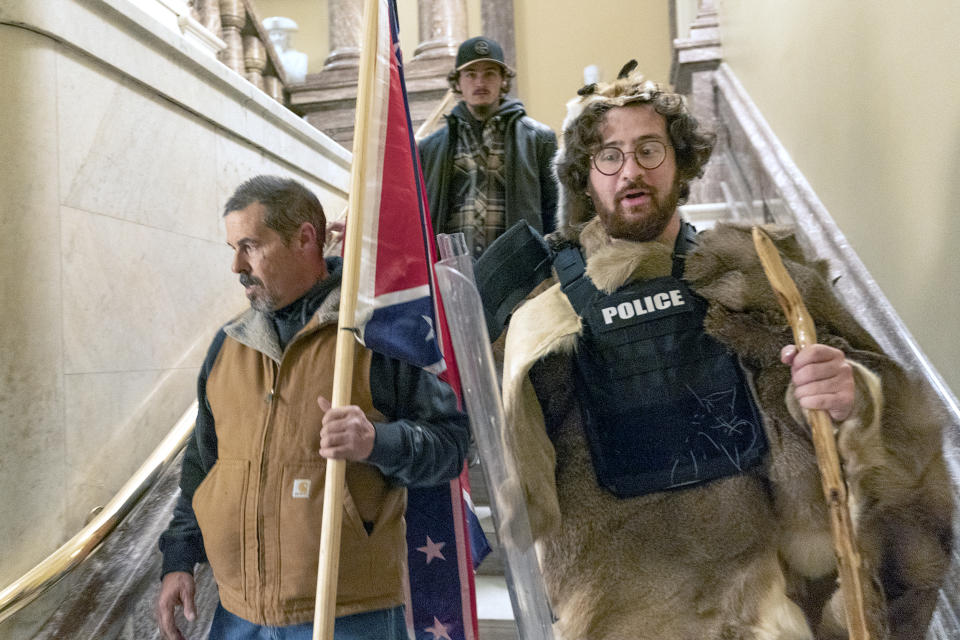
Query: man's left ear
[[307, 235]]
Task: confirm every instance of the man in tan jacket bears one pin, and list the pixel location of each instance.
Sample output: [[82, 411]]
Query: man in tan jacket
[[253, 472]]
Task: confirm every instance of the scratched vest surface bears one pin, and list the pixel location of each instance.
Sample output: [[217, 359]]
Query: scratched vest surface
[[664, 404]]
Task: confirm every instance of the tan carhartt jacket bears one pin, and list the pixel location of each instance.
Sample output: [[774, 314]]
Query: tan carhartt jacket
[[260, 507]]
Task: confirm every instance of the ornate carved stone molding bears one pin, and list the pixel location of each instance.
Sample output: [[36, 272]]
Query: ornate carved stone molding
[[232, 19], [209, 12]]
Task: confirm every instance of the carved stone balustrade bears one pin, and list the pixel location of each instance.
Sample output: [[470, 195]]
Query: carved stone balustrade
[[233, 17], [208, 14], [249, 50], [254, 60]]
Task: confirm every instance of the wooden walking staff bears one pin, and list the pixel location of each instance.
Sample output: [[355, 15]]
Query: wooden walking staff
[[851, 569], [324, 615]]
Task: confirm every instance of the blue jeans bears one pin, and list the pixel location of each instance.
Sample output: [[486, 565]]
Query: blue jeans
[[385, 624]]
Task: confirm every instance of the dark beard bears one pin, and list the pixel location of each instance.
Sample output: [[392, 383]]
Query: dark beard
[[651, 226], [483, 111]]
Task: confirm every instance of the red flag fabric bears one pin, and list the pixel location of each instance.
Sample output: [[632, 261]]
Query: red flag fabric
[[398, 314]]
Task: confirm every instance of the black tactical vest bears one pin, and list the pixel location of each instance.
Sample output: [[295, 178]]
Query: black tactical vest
[[664, 404]]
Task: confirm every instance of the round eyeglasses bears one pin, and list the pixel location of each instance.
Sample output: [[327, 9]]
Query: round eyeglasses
[[649, 154]]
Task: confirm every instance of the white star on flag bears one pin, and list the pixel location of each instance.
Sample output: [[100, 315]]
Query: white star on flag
[[432, 549], [439, 630], [430, 334]]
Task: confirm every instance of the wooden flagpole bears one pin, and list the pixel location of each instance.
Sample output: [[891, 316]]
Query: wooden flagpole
[[428, 125], [851, 569], [333, 493]]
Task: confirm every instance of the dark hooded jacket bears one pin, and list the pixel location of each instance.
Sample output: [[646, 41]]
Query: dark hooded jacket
[[531, 188]]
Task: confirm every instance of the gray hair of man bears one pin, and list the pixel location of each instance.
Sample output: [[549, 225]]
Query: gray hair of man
[[287, 202]]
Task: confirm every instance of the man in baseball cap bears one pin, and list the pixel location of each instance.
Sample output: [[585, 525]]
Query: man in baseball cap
[[490, 166], [481, 49]]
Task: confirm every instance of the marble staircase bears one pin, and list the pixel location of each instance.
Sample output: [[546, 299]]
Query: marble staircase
[[123, 571]]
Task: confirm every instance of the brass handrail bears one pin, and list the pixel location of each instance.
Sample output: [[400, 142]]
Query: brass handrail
[[72, 553]]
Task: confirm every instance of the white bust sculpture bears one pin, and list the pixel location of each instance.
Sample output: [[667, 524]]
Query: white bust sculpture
[[294, 62]]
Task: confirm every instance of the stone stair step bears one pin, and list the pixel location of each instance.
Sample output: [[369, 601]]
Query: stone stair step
[[494, 611], [498, 630], [478, 486], [493, 564]]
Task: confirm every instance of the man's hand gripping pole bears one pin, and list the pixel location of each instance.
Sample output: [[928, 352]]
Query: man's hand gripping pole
[[851, 570]]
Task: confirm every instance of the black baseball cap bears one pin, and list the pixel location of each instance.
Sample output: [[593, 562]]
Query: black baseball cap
[[479, 49]]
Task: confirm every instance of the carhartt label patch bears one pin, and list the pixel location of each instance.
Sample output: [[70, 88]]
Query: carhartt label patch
[[301, 488]]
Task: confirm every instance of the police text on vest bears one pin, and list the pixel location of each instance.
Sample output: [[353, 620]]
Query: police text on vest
[[641, 306]]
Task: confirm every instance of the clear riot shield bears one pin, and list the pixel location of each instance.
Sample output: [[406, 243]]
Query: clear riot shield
[[481, 392]]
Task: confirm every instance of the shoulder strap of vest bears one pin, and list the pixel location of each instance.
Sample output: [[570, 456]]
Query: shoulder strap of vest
[[511, 267], [574, 281], [686, 242], [579, 288]]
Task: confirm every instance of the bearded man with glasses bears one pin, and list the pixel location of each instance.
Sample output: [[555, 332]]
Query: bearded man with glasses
[[655, 411]]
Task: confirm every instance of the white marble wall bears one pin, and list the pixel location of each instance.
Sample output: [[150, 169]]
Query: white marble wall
[[122, 141], [32, 457]]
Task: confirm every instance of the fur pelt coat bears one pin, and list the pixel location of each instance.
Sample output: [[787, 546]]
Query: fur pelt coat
[[747, 556]]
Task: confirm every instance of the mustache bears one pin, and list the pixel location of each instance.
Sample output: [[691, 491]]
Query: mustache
[[248, 280], [639, 185]]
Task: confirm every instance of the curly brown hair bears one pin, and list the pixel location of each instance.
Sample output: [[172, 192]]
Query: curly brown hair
[[581, 137]]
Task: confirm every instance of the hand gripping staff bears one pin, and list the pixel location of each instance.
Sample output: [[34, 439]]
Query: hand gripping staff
[[329, 560], [851, 570]]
